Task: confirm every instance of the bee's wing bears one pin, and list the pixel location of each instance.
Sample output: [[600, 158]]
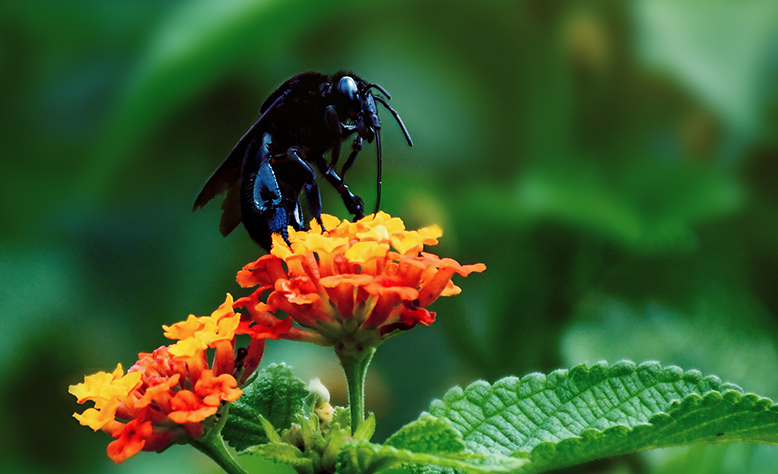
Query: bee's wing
[[227, 177]]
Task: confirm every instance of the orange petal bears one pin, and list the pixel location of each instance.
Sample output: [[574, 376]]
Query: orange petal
[[130, 440], [214, 390], [382, 285], [383, 309], [261, 331], [253, 357], [189, 408], [224, 359], [412, 317], [433, 288], [451, 289], [160, 394], [352, 279], [263, 272]]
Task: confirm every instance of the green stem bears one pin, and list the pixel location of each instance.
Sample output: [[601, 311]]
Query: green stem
[[214, 448], [355, 363], [212, 445]]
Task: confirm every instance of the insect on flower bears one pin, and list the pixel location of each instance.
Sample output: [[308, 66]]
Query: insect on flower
[[274, 161]]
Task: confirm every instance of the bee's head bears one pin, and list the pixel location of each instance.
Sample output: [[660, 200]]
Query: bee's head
[[347, 95], [356, 107], [356, 110]]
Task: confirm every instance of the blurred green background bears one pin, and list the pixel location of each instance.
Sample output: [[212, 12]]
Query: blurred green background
[[612, 162]]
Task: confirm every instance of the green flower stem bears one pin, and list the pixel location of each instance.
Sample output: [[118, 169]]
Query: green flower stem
[[214, 448], [355, 363], [212, 445]]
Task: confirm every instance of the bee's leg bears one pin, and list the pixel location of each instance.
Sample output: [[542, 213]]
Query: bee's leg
[[333, 123], [353, 203], [313, 197], [356, 146], [262, 204], [311, 189], [298, 223], [268, 201]]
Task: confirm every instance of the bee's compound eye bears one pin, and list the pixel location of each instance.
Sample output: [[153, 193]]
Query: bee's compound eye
[[348, 87]]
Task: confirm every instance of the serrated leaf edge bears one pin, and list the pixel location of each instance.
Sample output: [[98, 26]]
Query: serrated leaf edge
[[719, 392], [543, 382]]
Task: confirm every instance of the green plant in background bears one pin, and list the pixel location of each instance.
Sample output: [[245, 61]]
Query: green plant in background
[[351, 288]]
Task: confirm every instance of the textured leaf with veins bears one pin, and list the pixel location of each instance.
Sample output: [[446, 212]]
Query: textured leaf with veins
[[275, 394], [573, 416]]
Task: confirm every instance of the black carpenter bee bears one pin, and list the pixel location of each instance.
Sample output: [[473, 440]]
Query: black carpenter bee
[[274, 161]]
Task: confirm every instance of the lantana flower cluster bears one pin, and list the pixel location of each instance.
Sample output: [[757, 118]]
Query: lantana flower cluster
[[353, 283], [347, 285], [168, 395]]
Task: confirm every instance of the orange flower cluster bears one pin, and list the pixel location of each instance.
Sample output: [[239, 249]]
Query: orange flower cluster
[[351, 286], [168, 395], [360, 282]]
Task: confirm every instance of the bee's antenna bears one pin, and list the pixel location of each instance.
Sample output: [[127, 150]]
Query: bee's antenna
[[378, 168], [381, 89], [396, 117]]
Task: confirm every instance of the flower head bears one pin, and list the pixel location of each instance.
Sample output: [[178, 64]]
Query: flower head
[[362, 281], [168, 395]]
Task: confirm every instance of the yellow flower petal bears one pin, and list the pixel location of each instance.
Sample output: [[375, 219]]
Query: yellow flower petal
[[431, 234], [322, 243], [330, 223], [377, 233], [106, 386], [184, 329], [204, 330], [225, 310], [189, 347], [96, 419], [361, 252]]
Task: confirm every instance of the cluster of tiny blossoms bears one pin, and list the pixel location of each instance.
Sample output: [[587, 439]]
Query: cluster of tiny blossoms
[[168, 394], [354, 283], [350, 286]]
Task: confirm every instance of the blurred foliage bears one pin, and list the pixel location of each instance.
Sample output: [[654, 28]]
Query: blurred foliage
[[613, 163]]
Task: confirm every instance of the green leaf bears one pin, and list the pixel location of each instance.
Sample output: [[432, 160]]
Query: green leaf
[[366, 429], [428, 434], [286, 454], [361, 457], [334, 440], [277, 395], [270, 431], [342, 418], [311, 436], [585, 413], [718, 326]]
